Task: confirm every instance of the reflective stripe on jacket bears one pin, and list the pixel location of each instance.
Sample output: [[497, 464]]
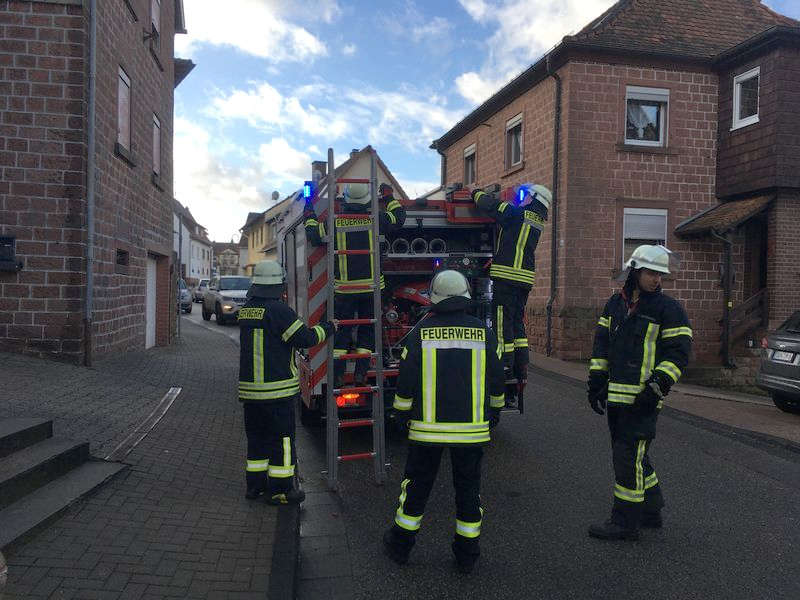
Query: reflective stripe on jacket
[[520, 229], [269, 332], [450, 376], [654, 338]]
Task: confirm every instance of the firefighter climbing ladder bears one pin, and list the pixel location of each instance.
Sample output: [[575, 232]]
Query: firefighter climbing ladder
[[376, 421]]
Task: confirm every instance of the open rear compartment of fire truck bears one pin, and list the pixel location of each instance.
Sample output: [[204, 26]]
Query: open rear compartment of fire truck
[[442, 230]]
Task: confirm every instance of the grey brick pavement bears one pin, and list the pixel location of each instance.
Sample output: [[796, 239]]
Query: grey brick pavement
[[174, 525]]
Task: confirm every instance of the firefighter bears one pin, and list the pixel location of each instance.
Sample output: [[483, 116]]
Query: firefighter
[[355, 233], [450, 391], [513, 270], [269, 332], [641, 346]]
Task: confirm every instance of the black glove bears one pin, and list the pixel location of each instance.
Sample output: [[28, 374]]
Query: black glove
[[598, 391], [647, 400], [494, 417], [329, 329]]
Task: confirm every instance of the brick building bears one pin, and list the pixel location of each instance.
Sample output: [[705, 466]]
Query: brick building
[[64, 298], [674, 121]]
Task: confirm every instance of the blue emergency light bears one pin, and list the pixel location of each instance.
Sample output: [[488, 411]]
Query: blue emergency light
[[307, 190]]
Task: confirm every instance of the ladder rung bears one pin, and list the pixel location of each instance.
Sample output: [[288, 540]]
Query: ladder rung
[[356, 321], [356, 390], [354, 286], [354, 356], [345, 457], [353, 252], [351, 180], [355, 423]]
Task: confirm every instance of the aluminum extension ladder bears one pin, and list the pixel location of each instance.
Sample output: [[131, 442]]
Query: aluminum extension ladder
[[376, 421]]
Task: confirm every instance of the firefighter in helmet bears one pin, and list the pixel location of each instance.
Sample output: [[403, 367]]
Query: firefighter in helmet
[[355, 233], [450, 391], [269, 333], [641, 346], [513, 269]]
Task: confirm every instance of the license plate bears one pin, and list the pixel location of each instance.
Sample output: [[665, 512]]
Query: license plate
[[783, 356]]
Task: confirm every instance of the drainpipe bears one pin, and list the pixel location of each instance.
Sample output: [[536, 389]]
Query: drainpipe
[[90, 185], [554, 211], [443, 167], [727, 285]]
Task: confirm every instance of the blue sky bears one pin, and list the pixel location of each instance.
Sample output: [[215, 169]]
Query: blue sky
[[277, 82]]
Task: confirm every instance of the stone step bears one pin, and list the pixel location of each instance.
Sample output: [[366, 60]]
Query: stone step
[[44, 504], [34, 466], [18, 433]]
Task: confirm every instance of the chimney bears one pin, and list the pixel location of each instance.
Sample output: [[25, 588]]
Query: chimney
[[319, 169], [353, 152]]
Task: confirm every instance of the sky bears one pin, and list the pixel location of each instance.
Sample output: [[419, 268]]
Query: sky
[[278, 82]]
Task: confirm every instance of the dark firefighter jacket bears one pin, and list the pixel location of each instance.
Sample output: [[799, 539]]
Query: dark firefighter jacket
[[269, 332], [355, 233], [450, 376], [654, 339], [520, 229]]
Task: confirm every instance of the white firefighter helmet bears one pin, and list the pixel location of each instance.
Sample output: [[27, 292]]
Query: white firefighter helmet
[[356, 193], [268, 272], [655, 258], [449, 284], [528, 192]]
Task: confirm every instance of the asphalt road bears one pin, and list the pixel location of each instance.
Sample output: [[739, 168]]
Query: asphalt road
[[230, 330], [732, 521]]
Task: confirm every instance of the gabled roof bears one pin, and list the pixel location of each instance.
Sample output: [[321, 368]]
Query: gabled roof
[[694, 31], [252, 217], [399, 192], [723, 217]]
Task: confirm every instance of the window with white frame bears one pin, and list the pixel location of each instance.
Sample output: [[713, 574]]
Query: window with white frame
[[745, 98], [514, 141], [469, 165], [642, 226], [156, 145], [646, 112], [123, 109]]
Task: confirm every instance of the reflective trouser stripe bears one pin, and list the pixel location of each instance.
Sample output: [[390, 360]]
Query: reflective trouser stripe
[[287, 470], [637, 494], [257, 466], [499, 330], [497, 401], [598, 364], [469, 529], [650, 481], [407, 522]]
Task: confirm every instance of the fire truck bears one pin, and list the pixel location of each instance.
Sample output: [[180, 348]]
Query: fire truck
[[443, 230]]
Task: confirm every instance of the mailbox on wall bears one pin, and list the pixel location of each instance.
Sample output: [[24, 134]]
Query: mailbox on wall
[[8, 256]]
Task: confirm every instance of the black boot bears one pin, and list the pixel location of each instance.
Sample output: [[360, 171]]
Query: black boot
[[465, 558], [253, 493], [292, 496], [623, 524], [652, 520], [396, 548]]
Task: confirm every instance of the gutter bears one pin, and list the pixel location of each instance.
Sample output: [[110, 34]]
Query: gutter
[[91, 175], [554, 217]]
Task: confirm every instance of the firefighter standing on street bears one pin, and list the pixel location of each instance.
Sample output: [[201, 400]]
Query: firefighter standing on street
[[641, 346], [269, 332], [513, 270], [449, 390], [355, 233]]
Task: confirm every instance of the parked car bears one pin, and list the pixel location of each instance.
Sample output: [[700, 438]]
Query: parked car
[[184, 296], [200, 290], [779, 373], [224, 297]]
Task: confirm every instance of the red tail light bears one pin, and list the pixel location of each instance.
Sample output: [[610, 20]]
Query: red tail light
[[347, 399], [764, 344]]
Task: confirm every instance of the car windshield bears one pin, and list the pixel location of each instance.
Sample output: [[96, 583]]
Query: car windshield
[[234, 283], [792, 324]]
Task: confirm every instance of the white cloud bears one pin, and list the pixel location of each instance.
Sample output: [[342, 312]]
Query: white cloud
[[432, 30], [251, 26], [349, 49], [525, 30], [284, 164], [417, 187]]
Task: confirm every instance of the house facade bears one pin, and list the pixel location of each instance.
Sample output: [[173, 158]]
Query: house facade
[[643, 128], [87, 213], [226, 259], [193, 250], [261, 232]]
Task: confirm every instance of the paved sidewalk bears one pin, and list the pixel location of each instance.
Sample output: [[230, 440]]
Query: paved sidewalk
[[747, 412], [173, 525]]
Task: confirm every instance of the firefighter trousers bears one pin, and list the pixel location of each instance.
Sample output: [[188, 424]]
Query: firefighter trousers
[[271, 454], [422, 466], [637, 491], [351, 306], [508, 313]]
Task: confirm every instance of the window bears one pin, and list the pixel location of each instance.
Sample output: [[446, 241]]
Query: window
[[646, 116], [123, 110], [156, 146], [155, 22], [745, 98], [122, 262], [469, 165], [514, 141], [642, 226]]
